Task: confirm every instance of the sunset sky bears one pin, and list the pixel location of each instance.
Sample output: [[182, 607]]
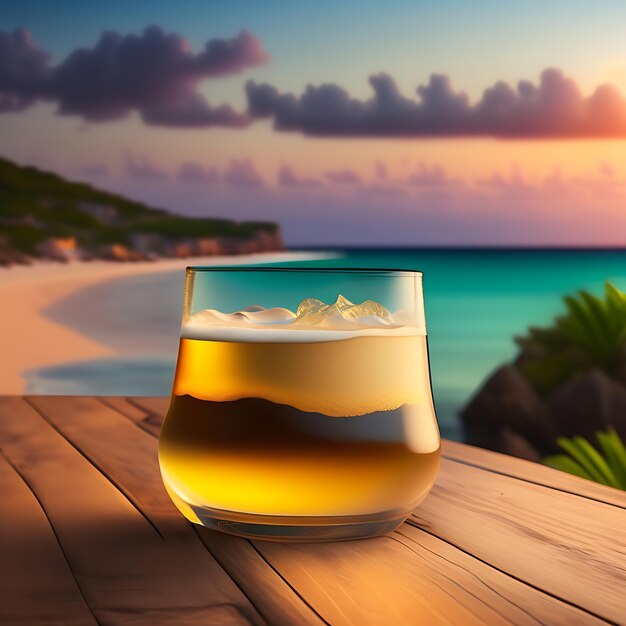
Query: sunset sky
[[403, 123]]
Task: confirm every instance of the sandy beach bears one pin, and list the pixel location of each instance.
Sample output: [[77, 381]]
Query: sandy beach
[[29, 340]]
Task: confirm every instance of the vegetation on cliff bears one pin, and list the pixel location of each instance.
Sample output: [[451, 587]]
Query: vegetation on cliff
[[592, 333], [569, 380], [42, 214]]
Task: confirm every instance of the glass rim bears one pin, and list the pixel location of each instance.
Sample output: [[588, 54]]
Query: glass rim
[[376, 271]]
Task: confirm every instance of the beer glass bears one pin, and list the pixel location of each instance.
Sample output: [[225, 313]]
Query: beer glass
[[301, 407]]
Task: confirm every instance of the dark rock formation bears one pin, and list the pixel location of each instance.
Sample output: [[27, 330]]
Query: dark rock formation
[[507, 401], [590, 402], [10, 256], [517, 445], [508, 415]]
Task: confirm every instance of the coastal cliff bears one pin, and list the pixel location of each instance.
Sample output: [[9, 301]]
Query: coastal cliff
[[569, 379], [45, 216]]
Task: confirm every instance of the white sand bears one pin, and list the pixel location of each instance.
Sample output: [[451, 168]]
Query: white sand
[[28, 340]]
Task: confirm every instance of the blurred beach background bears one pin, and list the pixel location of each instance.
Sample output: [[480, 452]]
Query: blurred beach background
[[476, 302], [481, 143]]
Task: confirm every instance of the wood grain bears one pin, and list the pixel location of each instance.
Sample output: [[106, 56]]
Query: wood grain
[[514, 525], [531, 472], [93, 538], [533, 602], [569, 546], [121, 562], [395, 580], [36, 583], [128, 456]]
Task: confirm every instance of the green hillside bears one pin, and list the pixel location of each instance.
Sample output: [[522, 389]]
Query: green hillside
[[36, 206]]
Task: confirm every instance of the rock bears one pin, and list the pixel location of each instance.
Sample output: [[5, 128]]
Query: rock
[[508, 401], [148, 243], [588, 403], [182, 249], [517, 445], [620, 372], [207, 246], [119, 252], [59, 249], [10, 256]]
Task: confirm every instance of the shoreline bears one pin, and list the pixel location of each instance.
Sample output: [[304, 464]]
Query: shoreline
[[29, 340]]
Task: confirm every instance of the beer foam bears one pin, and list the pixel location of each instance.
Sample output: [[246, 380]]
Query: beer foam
[[313, 321]]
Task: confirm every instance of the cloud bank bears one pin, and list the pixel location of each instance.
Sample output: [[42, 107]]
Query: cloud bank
[[142, 167], [288, 178], [555, 108], [24, 71], [343, 177], [243, 174], [193, 172], [155, 73]]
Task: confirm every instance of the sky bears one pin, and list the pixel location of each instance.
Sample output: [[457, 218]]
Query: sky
[[349, 123]]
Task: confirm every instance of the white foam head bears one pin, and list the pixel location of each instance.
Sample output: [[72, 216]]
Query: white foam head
[[313, 321]]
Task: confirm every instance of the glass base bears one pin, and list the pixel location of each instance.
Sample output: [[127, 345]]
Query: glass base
[[298, 529]]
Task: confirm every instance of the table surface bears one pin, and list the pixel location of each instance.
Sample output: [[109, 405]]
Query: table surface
[[89, 536]]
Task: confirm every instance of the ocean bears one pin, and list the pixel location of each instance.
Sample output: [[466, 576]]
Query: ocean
[[476, 301]]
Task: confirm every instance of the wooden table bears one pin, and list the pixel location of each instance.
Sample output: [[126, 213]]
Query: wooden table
[[89, 536]]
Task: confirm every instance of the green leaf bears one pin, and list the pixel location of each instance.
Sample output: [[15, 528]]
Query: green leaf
[[607, 466], [615, 454], [591, 333], [565, 463], [571, 447], [598, 462], [614, 297]]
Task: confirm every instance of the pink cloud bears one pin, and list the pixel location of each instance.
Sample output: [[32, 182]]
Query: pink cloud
[[430, 176], [155, 73], [382, 190], [554, 108], [381, 171], [288, 178], [192, 172], [343, 177], [243, 174], [142, 167]]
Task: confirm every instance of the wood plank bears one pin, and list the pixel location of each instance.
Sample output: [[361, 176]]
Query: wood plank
[[124, 406], [36, 582], [128, 456], [275, 597], [510, 596], [152, 404], [123, 565], [531, 472], [154, 411], [569, 546], [396, 580], [298, 571], [374, 581], [578, 535]]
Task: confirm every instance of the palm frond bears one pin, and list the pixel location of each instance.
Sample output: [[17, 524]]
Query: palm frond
[[591, 333], [606, 466]]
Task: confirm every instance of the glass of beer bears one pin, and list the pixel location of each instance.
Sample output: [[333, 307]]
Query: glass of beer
[[301, 408]]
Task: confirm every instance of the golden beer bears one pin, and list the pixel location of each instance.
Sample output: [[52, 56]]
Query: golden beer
[[310, 434]]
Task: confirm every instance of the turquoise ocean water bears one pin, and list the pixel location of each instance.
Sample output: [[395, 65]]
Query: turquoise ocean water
[[476, 302]]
